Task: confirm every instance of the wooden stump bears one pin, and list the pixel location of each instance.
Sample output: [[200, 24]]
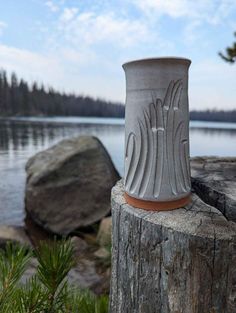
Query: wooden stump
[[214, 180], [181, 261]]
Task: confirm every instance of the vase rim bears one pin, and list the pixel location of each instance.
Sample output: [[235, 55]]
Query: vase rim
[[156, 59]]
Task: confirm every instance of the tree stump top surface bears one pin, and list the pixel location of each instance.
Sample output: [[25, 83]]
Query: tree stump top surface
[[214, 180], [197, 218]]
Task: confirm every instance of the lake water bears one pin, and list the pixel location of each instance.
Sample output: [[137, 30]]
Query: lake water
[[20, 138]]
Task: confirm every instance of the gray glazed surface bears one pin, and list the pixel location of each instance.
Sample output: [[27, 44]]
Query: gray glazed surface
[[157, 129]]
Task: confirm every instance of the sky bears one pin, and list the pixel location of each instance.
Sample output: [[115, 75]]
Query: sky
[[80, 46]]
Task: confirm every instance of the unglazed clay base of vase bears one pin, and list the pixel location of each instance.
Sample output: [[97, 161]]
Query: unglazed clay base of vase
[[157, 205]]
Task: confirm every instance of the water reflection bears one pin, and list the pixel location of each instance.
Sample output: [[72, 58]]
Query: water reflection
[[211, 141], [21, 139]]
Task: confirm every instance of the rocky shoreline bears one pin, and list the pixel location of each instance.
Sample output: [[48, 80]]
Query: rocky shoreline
[[68, 195]]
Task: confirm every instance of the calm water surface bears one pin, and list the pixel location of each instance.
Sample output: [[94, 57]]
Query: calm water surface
[[20, 138]]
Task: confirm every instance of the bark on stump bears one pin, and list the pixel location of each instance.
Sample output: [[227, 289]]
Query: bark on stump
[[181, 261]]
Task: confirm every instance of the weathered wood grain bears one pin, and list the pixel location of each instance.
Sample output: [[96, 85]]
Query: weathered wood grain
[[181, 261], [214, 180]]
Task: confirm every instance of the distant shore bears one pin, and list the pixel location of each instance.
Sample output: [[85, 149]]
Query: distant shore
[[213, 116], [198, 116]]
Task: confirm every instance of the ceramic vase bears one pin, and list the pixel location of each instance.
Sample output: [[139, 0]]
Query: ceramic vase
[[157, 169]]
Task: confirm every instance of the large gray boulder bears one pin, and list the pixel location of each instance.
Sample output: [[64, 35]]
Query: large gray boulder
[[68, 185]]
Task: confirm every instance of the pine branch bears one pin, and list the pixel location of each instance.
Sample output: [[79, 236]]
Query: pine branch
[[31, 297], [13, 262], [55, 261], [48, 291], [230, 56]]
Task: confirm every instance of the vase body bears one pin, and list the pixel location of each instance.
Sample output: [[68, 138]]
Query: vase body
[[157, 131]]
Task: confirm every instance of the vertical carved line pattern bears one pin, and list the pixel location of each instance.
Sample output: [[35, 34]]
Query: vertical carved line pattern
[[148, 163], [186, 164], [178, 164], [160, 128], [133, 172], [170, 132], [129, 156], [158, 172], [136, 181]]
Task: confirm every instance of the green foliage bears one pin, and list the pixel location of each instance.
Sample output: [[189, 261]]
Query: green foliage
[[32, 297], [13, 262], [48, 290], [230, 55], [55, 261], [86, 302]]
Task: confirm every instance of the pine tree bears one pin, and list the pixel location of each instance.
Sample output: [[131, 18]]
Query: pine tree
[[230, 55], [13, 94], [1, 93], [5, 99]]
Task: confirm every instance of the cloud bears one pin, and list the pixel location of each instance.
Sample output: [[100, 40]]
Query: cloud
[[68, 14], [213, 12], [3, 25], [30, 65], [89, 28], [173, 8], [191, 32], [64, 71], [194, 19], [53, 7]]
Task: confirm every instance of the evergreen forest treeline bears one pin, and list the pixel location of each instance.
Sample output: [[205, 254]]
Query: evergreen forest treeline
[[214, 116], [17, 98]]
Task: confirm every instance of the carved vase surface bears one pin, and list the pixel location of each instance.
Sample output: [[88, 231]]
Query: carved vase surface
[[157, 129]]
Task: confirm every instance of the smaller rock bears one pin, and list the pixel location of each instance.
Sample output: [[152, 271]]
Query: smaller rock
[[101, 253], [84, 275], [30, 270], [80, 246], [14, 234], [103, 286], [104, 232]]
